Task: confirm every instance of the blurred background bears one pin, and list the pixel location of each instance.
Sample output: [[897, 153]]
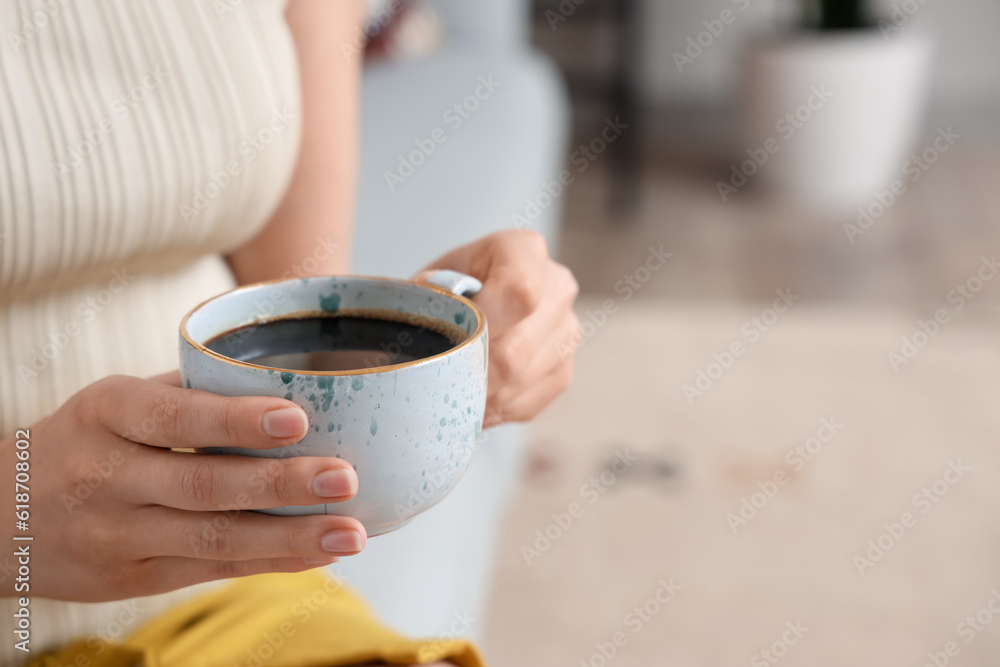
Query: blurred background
[[781, 442]]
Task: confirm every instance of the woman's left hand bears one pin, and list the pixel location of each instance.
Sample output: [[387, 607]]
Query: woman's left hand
[[533, 332]]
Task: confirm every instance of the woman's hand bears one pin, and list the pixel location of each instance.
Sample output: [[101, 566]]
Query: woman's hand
[[116, 514], [528, 301]]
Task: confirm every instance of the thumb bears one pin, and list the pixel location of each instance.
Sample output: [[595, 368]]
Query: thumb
[[425, 275]]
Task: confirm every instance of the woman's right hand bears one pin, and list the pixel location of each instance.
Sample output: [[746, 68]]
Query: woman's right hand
[[116, 514]]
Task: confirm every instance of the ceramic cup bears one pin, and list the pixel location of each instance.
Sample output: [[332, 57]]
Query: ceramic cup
[[409, 429]]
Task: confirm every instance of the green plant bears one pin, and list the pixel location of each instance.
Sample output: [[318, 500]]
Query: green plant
[[834, 14]]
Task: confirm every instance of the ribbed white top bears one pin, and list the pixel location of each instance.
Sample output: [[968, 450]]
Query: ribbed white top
[[139, 141]]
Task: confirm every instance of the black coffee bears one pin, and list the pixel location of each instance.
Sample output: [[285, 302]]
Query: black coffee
[[330, 343]]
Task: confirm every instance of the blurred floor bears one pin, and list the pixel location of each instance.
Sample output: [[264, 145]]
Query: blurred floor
[[745, 248], [825, 358]]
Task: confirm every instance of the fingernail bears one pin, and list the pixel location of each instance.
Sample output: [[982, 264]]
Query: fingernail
[[335, 483], [285, 423], [342, 541]]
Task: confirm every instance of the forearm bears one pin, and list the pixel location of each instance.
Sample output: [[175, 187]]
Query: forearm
[[310, 233]]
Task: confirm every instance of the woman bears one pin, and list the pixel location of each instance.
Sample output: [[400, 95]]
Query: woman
[[152, 155]]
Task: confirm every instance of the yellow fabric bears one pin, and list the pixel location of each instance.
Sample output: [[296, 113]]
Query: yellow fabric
[[277, 620]]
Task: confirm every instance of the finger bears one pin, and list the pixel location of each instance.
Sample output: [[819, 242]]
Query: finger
[[248, 535], [532, 401], [156, 414], [176, 572], [513, 276], [521, 345], [201, 482], [508, 378]]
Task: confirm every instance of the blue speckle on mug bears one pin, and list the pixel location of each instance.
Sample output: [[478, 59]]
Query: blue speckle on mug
[[330, 303]]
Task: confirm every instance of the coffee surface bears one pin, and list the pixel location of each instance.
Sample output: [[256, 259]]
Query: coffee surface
[[330, 343]]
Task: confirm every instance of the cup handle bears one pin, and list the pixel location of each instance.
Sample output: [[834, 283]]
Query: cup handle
[[457, 283]]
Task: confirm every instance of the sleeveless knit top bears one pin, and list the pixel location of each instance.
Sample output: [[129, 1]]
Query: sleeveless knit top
[[139, 141]]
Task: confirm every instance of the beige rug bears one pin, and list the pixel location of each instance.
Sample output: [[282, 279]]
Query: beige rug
[[648, 564]]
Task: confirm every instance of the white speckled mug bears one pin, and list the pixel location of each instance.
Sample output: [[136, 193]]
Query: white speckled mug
[[409, 429]]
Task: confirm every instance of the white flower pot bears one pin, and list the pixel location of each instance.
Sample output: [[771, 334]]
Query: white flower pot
[[843, 111]]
